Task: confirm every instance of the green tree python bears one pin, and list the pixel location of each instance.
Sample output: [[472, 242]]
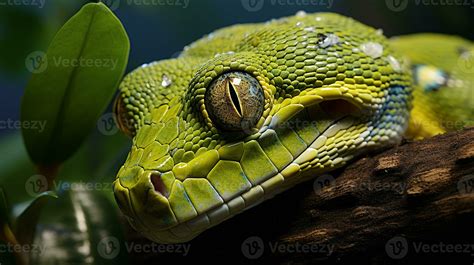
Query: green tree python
[[251, 110]]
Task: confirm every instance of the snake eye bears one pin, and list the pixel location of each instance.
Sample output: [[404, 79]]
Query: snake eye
[[235, 101]]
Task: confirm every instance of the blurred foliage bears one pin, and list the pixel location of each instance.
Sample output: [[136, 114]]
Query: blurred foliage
[[81, 227], [93, 168], [97, 161], [24, 225]]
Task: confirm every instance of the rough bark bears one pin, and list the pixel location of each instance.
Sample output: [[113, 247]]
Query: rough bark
[[418, 197]]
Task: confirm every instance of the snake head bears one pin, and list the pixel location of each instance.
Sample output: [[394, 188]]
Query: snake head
[[249, 111]]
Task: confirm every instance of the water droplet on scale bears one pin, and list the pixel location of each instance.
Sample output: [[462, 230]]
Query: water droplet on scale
[[394, 63], [166, 81], [301, 13], [330, 40], [372, 49]]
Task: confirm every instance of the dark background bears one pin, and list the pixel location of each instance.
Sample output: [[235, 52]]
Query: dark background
[[161, 30]]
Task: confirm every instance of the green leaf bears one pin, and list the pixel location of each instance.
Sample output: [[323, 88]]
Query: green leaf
[[80, 227], [26, 216], [73, 83]]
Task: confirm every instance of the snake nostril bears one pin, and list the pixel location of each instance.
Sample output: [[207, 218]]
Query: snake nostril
[[158, 184]]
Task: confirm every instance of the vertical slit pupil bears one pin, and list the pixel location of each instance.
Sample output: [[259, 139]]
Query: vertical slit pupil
[[234, 97]]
